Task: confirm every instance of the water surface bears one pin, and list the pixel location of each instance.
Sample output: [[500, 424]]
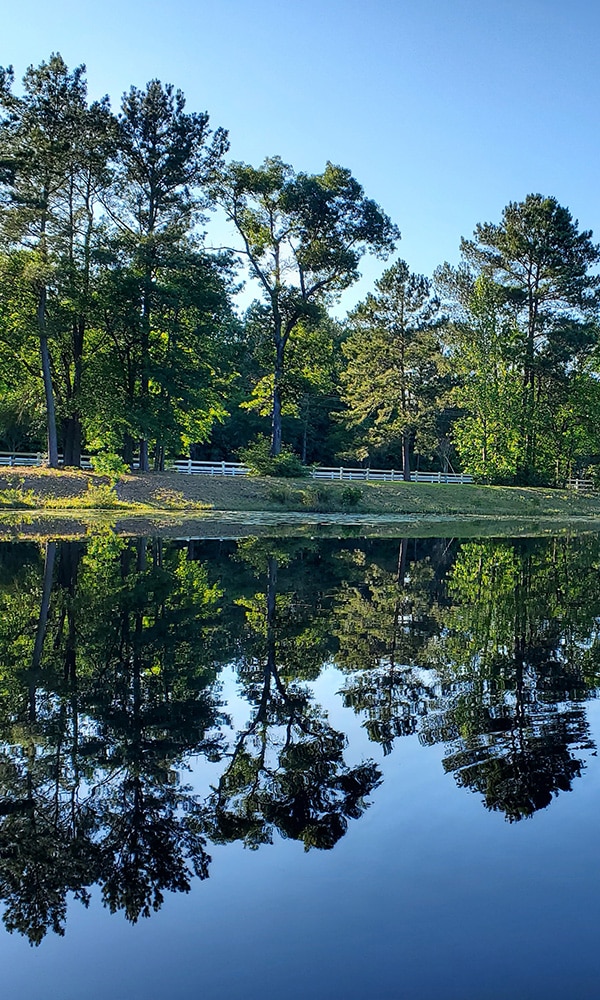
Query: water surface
[[299, 767]]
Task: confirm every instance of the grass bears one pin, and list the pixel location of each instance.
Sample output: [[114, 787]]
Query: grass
[[441, 500], [170, 493], [98, 496]]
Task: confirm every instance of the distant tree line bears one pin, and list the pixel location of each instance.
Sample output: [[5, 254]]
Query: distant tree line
[[119, 331]]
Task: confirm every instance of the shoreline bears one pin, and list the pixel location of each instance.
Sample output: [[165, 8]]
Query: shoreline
[[41, 525], [43, 493]]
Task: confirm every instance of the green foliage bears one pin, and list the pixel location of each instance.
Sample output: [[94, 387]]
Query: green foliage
[[316, 498], [393, 383], [102, 496], [303, 237], [17, 497], [109, 464], [525, 299], [257, 456], [350, 497]]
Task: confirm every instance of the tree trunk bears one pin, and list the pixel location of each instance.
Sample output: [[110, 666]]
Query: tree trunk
[[144, 379], [406, 457], [72, 433], [305, 431], [48, 387], [128, 448], [144, 463], [72, 441], [276, 426]]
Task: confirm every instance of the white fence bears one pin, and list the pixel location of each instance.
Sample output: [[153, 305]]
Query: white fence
[[388, 475], [24, 458], [582, 485], [321, 472], [189, 467], [208, 468]]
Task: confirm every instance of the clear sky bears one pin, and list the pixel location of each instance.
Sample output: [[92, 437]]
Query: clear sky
[[444, 110]]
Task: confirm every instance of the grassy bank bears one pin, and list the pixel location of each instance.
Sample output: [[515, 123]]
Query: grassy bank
[[174, 493]]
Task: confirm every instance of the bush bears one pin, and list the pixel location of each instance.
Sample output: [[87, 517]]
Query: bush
[[103, 497], [107, 463], [316, 498], [284, 495], [18, 497], [260, 462], [350, 497]]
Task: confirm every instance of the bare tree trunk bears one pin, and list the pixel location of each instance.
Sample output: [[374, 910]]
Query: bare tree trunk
[[406, 457], [72, 434], [305, 431], [47, 376], [144, 380], [276, 427]]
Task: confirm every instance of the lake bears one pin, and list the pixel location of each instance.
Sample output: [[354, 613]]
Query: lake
[[321, 767]]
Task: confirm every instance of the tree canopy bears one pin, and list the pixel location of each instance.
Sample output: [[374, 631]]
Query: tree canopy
[[121, 330]]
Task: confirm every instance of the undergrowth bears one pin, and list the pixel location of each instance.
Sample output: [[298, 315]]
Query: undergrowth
[[317, 499], [17, 498]]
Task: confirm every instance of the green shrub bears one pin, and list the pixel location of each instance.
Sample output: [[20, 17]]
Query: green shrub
[[101, 497], [107, 463], [260, 462], [317, 499], [283, 495], [350, 497], [17, 497]]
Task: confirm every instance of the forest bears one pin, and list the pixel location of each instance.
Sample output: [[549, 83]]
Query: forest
[[121, 332]]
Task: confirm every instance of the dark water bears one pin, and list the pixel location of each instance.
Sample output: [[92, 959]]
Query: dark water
[[300, 768]]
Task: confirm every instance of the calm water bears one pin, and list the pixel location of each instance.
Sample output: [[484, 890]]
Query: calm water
[[300, 769]]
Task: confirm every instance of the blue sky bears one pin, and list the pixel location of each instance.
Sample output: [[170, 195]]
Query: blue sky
[[444, 111]]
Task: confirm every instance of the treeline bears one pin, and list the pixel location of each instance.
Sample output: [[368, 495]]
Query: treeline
[[119, 331]]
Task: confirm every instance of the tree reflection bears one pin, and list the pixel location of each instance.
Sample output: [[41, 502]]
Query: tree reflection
[[110, 655], [120, 689], [495, 668], [383, 622], [287, 770], [518, 657], [110, 659]]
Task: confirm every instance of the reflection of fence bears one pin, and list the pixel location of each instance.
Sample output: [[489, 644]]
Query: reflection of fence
[[583, 485], [186, 465]]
